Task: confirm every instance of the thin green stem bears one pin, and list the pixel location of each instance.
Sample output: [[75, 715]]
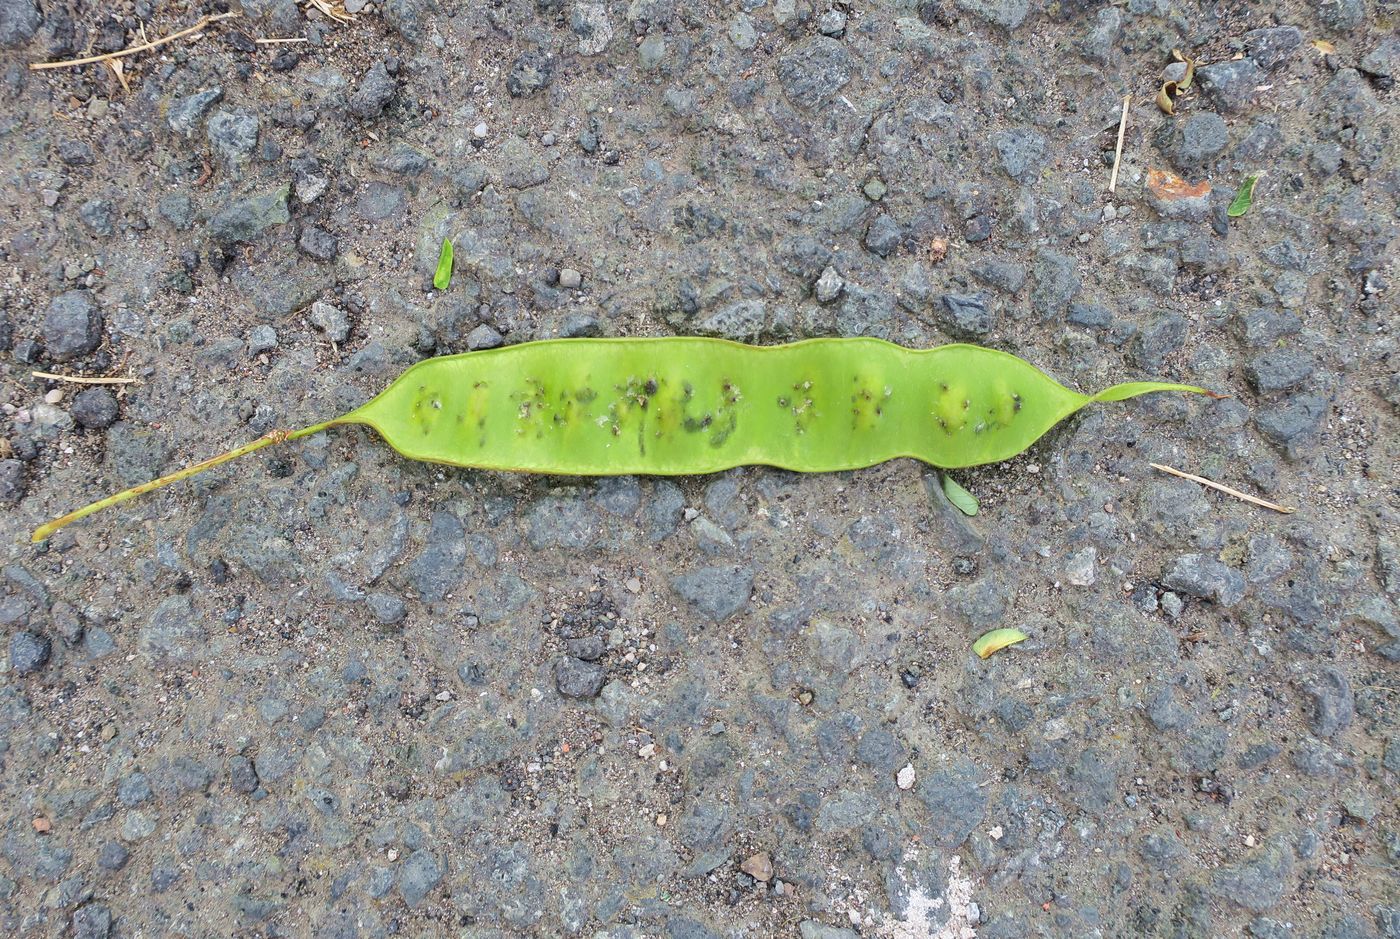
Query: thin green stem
[[45, 531]]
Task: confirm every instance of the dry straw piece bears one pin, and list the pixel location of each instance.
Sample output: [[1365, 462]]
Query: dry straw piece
[[1211, 484], [109, 57]]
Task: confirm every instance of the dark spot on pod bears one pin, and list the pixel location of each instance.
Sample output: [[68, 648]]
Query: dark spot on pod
[[650, 387], [943, 385], [966, 404], [1016, 402], [585, 395], [688, 390], [783, 402]]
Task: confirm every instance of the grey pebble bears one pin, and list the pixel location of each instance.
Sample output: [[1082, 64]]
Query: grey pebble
[[578, 678], [1273, 46], [184, 115], [484, 337], [1204, 136], [72, 325], [529, 74], [92, 921], [1258, 882], [1333, 705], [13, 481], [112, 856], [1231, 84], [386, 608], [94, 408], [29, 652], [318, 243], [1204, 577], [248, 218], [261, 338], [964, 316], [375, 91], [99, 215], [177, 209], [716, 592], [418, 875], [331, 320], [1020, 150], [233, 135], [1279, 370], [811, 72], [569, 278]]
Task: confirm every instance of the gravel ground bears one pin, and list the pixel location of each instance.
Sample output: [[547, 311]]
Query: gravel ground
[[329, 692]]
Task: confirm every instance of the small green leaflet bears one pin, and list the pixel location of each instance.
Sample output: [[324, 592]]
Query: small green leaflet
[[996, 640], [1244, 199], [965, 501], [443, 276]]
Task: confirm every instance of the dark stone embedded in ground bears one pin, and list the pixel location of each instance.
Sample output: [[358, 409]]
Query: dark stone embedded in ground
[[94, 408], [579, 678], [72, 325], [813, 71], [529, 74], [376, 89], [248, 218]]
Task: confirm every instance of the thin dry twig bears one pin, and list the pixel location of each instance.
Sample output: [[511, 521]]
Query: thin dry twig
[[1118, 152], [274, 42], [84, 380], [144, 47], [1263, 503]]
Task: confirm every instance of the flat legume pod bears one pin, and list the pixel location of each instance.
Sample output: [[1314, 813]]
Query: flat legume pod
[[679, 406]]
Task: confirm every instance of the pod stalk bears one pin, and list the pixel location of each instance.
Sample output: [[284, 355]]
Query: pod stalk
[[46, 531]]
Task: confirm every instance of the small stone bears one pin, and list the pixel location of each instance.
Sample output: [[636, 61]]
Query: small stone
[[1204, 137], [12, 481], [1020, 150], [99, 216], [318, 243], [242, 775], [576, 678], [331, 320], [480, 131], [883, 236], [1279, 370], [874, 189], [905, 778], [261, 338], [1231, 84], [233, 135], [716, 592], [178, 210], [829, 285], [374, 93], [418, 876], [54, 396], [1273, 46], [759, 867], [1257, 883], [1080, 567], [832, 23], [185, 114], [92, 921], [248, 218], [29, 652], [569, 278], [964, 316], [386, 608], [72, 325], [813, 71], [1333, 705], [1204, 577], [94, 408], [484, 337], [530, 74], [19, 21], [592, 26], [112, 856]]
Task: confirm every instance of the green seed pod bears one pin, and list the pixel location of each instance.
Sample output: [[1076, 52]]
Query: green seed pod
[[680, 406]]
